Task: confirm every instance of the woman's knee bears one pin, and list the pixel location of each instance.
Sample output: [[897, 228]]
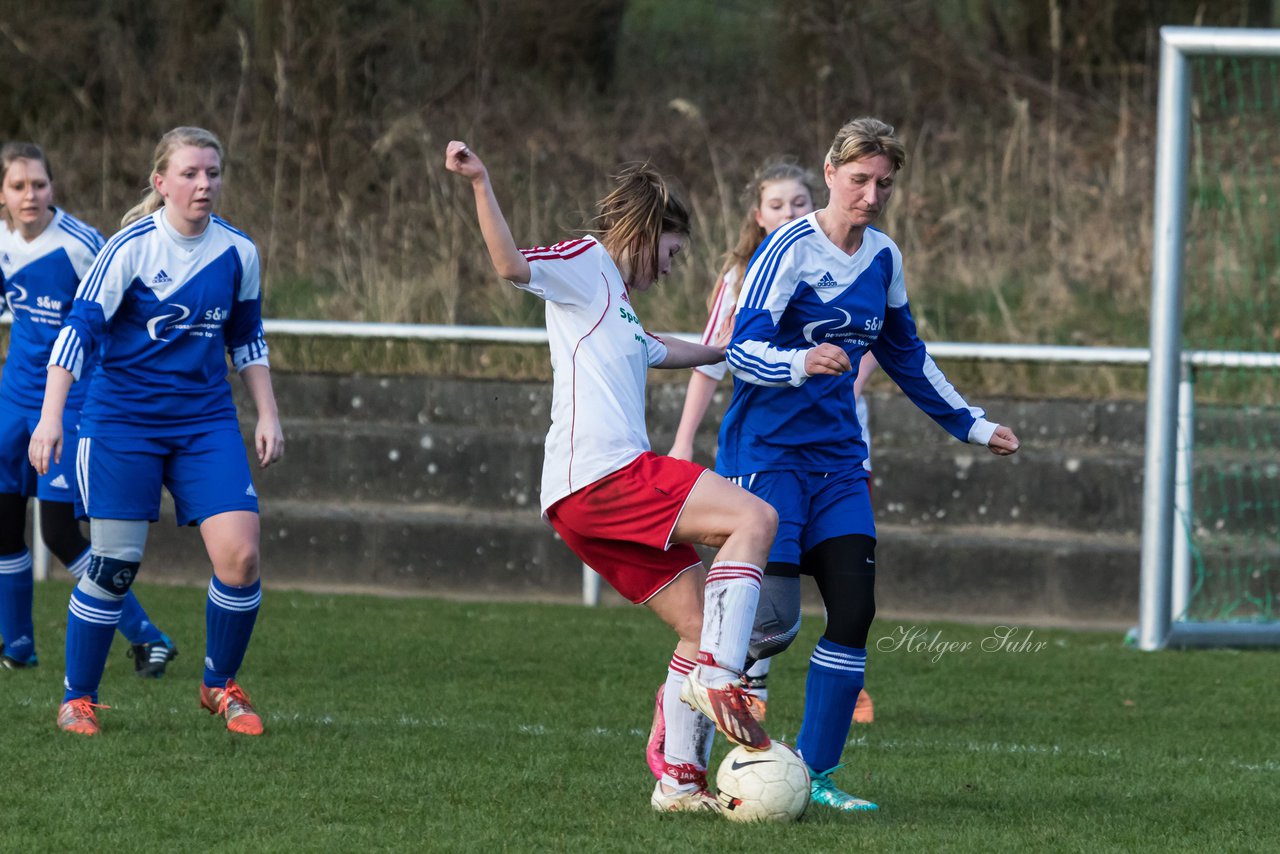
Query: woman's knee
[[237, 563]]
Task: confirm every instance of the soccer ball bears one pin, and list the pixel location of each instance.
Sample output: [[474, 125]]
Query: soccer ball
[[763, 785]]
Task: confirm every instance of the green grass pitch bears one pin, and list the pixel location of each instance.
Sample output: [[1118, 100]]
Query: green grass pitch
[[425, 725]]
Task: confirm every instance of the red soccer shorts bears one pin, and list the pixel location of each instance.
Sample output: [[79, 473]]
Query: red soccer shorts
[[621, 525]]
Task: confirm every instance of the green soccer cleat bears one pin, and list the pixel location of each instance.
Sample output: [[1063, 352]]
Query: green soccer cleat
[[823, 791]]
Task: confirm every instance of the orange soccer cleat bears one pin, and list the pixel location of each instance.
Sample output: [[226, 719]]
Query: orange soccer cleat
[[77, 716], [233, 704]]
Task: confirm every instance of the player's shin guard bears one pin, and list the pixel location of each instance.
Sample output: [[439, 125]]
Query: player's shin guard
[[92, 616], [16, 592], [229, 613], [689, 733], [729, 608], [831, 691]]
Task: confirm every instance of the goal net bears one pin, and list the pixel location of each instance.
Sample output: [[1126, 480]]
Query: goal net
[[1218, 251]]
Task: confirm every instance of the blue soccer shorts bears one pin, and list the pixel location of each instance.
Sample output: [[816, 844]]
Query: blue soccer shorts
[[206, 473], [17, 477], [813, 507]]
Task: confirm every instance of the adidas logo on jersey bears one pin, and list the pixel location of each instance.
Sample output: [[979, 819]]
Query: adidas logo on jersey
[[827, 281], [162, 278], [249, 491], [60, 482]]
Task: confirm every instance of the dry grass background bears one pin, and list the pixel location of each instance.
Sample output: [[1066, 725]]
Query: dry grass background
[[1024, 211]]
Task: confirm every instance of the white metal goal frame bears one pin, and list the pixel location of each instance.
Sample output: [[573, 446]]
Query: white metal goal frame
[[1166, 577]]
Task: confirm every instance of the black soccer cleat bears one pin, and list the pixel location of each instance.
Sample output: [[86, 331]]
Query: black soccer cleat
[[150, 659], [8, 662]]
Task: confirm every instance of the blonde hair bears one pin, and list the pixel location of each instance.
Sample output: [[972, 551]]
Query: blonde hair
[[866, 137], [635, 214], [751, 235], [12, 151], [152, 201]]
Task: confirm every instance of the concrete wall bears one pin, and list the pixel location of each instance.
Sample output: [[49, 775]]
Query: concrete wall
[[430, 485]]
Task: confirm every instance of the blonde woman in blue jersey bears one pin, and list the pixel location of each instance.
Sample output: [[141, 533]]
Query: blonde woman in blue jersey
[[167, 299], [819, 293], [44, 252]]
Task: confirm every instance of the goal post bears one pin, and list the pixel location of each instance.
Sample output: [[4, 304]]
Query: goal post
[[1169, 587]]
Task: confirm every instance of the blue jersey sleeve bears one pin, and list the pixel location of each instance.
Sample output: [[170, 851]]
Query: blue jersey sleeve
[[903, 357]]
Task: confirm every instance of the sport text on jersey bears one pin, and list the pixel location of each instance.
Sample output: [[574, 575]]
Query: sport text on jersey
[[170, 321], [45, 310]]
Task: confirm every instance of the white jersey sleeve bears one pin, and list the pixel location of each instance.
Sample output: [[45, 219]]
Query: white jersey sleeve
[[565, 284], [719, 328], [766, 292]]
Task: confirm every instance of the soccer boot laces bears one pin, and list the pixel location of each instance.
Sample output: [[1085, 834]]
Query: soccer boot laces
[[729, 708], [77, 716], [233, 704]]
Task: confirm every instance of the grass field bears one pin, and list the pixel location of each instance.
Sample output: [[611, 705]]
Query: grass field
[[412, 724]]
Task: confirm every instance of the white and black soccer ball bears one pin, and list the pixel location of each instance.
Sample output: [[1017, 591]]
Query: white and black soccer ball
[[763, 785]]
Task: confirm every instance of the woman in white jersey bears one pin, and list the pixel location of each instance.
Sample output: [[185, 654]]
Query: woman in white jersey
[[821, 291], [44, 252], [624, 510], [168, 298]]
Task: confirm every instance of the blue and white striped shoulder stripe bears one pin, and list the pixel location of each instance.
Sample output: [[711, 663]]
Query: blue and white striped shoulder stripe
[[231, 228], [766, 268], [87, 235], [91, 287]]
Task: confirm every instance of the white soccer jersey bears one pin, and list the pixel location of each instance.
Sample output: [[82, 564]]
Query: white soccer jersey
[[163, 311], [719, 327], [600, 356]]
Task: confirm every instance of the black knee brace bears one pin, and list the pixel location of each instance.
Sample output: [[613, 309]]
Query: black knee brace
[[845, 569], [61, 532], [13, 523]]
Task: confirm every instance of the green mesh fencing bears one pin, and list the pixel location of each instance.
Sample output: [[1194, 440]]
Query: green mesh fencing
[[1231, 300]]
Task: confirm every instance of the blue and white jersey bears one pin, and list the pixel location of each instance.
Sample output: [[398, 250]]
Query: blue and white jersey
[[801, 290], [40, 280], [162, 308]]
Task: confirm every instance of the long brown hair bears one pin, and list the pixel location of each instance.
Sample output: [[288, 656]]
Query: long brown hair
[[751, 235], [633, 217], [173, 140]]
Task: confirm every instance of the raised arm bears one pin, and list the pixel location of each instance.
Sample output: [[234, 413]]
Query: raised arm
[[506, 257]]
